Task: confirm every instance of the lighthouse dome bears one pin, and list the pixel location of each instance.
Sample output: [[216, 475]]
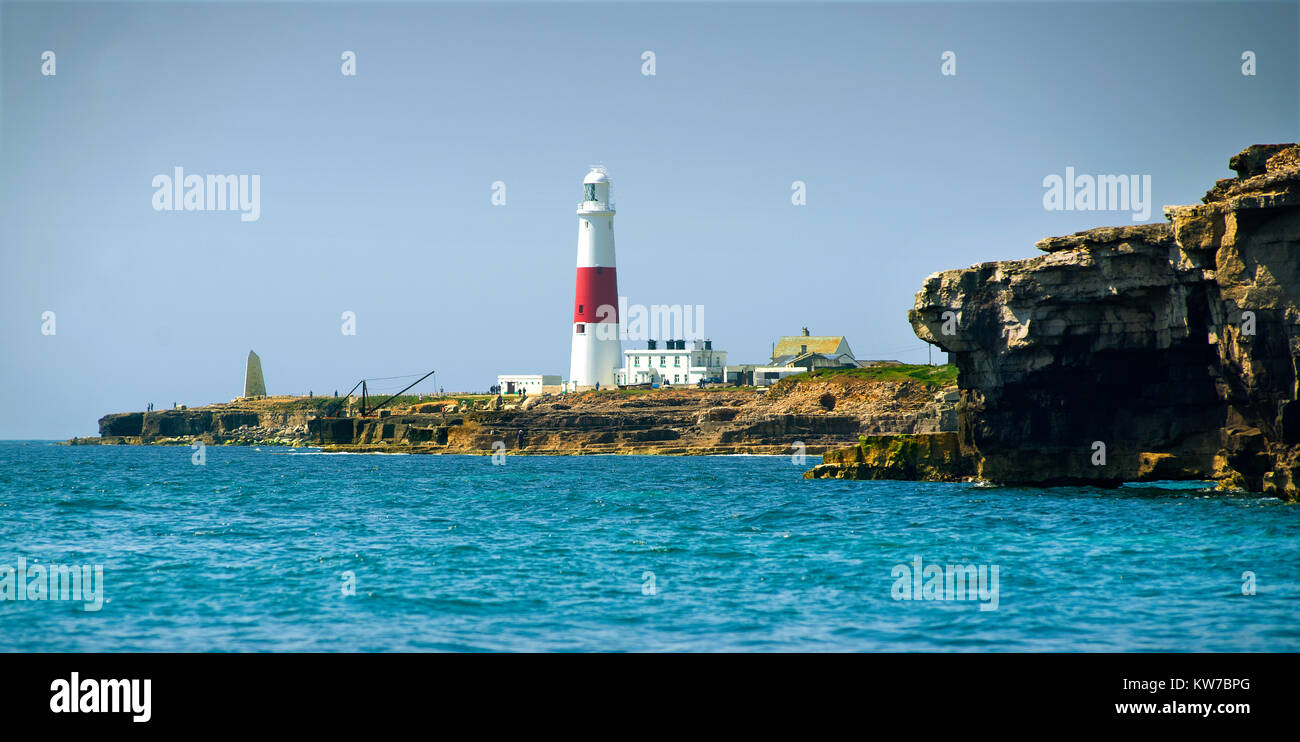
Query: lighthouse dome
[[597, 175]]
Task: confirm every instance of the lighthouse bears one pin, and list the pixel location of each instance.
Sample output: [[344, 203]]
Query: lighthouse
[[596, 349]]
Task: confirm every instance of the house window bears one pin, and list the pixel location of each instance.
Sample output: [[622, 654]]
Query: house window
[[663, 361], [677, 360], [636, 360]]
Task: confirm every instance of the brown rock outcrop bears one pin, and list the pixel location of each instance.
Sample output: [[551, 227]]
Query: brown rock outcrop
[[935, 457], [664, 421], [1162, 351]]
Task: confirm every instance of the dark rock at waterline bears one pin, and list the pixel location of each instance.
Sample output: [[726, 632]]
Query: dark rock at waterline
[[1135, 353]]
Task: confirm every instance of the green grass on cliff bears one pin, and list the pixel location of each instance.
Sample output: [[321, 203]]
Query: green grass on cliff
[[336, 405], [935, 376], [325, 405]]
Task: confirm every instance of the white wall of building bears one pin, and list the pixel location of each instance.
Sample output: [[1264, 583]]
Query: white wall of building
[[769, 375], [594, 356], [530, 383], [664, 366]]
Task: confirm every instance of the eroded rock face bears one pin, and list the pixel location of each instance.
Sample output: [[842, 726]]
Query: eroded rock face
[[214, 424], [934, 457], [791, 419], [1171, 345]]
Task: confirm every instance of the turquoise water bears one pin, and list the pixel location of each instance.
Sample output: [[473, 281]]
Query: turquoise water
[[247, 553]]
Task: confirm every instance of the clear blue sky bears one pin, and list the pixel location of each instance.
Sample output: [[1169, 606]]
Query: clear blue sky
[[376, 188]]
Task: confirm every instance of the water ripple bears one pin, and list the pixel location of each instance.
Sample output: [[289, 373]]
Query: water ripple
[[256, 550]]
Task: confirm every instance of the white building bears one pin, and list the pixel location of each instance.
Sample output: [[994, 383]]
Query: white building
[[671, 365], [755, 374], [595, 348], [769, 375], [528, 383]]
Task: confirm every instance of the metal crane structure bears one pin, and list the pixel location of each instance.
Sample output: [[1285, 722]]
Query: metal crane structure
[[365, 392]]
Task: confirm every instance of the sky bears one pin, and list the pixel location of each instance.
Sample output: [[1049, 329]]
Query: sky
[[376, 189]]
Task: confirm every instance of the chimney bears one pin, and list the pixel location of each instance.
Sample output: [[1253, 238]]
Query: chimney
[[650, 345], [708, 345], [805, 332]]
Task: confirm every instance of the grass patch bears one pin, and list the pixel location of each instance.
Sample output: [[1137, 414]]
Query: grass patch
[[333, 406], [934, 376], [328, 406], [677, 388]]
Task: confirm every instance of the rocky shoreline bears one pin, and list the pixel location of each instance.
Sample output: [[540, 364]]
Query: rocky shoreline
[[807, 414], [1137, 353], [931, 457]]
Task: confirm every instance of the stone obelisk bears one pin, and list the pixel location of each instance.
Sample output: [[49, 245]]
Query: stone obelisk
[[254, 384]]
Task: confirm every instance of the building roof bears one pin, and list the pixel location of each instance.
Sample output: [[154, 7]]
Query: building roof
[[792, 345], [843, 359]]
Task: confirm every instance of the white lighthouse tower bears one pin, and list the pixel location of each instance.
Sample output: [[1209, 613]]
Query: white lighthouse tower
[[596, 349]]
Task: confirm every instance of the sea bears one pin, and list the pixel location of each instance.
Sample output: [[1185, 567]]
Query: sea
[[255, 549]]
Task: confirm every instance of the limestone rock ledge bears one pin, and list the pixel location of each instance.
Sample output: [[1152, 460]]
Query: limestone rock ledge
[[1164, 351], [797, 416], [933, 457]]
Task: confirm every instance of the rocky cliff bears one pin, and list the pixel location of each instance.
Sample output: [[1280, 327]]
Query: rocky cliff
[[233, 423], [816, 413], [932, 457], [1164, 351]]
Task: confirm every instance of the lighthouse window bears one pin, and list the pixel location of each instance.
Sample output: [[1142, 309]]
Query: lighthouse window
[[591, 191], [579, 309], [579, 329]]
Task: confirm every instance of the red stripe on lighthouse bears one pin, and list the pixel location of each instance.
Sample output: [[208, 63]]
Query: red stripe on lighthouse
[[597, 287]]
